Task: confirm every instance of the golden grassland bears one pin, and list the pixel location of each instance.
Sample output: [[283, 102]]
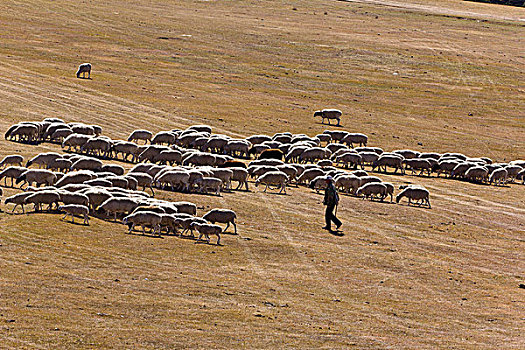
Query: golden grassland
[[429, 76]]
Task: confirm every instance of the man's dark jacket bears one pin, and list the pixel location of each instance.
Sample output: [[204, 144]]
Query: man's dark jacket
[[331, 198]]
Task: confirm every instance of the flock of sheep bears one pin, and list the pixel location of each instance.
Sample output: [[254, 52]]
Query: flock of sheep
[[196, 160]]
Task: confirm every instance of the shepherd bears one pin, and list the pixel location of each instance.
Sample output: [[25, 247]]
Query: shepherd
[[83, 69], [331, 199]]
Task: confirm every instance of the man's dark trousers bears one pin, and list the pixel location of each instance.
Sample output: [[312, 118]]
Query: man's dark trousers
[[329, 216]]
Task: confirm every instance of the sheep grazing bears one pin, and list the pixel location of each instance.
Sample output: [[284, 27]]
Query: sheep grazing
[[347, 183], [75, 209], [75, 141], [18, 200], [498, 176], [24, 132], [37, 176], [355, 138], [143, 135], [209, 184], [96, 197], [43, 197], [477, 173], [223, 216], [43, 159], [175, 179], [207, 230], [372, 190], [118, 206], [185, 207], [144, 219], [314, 154], [513, 170], [389, 160], [389, 190], [329, 114], [418, 164], [416, 193], [83, 69], [241, 176], [143, 179], [12, 172], [238, 148], [12, 160], [273, 178]]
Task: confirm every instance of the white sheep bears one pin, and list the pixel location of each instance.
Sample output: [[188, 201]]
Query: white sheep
[[75, 209], [18, 200], [206, 184], [12, 172], [118, 205], [418, 164], [417, 193], [38, 176], [43, 159], [175, 179], [43, 197], [371, 190], [273, 178], [355, 138], [347, 183], [185, 207], [241, 176], [389, 160], [498, 176], [144, 135], [207, 230], [144, 219], [477, 173]]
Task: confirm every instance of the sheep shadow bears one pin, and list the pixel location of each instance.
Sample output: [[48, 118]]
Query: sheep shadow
[[83, 78], [202, 241], [419, 206], [332, 125], [142, 234], [78, 223]]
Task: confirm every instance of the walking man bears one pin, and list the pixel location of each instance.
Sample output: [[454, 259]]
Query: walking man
[[331, 199]]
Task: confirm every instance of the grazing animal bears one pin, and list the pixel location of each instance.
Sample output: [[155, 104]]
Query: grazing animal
[[223, 216], [207, 230], [329, 114], [75, 209], [83, 69], [417, 193], [273, 178]]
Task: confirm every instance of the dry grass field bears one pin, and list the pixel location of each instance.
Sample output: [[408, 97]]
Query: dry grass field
[[426, 75]]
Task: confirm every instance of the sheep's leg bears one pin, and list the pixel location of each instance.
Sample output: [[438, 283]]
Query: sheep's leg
[[266, 188], [72, 218], [234, 227], [64, 217], [86, 219]]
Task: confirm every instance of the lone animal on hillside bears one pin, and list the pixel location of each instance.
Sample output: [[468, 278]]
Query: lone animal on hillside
[[329, 114], [83, 69]]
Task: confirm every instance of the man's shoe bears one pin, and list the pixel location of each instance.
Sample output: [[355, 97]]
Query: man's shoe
[[327, 228]]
